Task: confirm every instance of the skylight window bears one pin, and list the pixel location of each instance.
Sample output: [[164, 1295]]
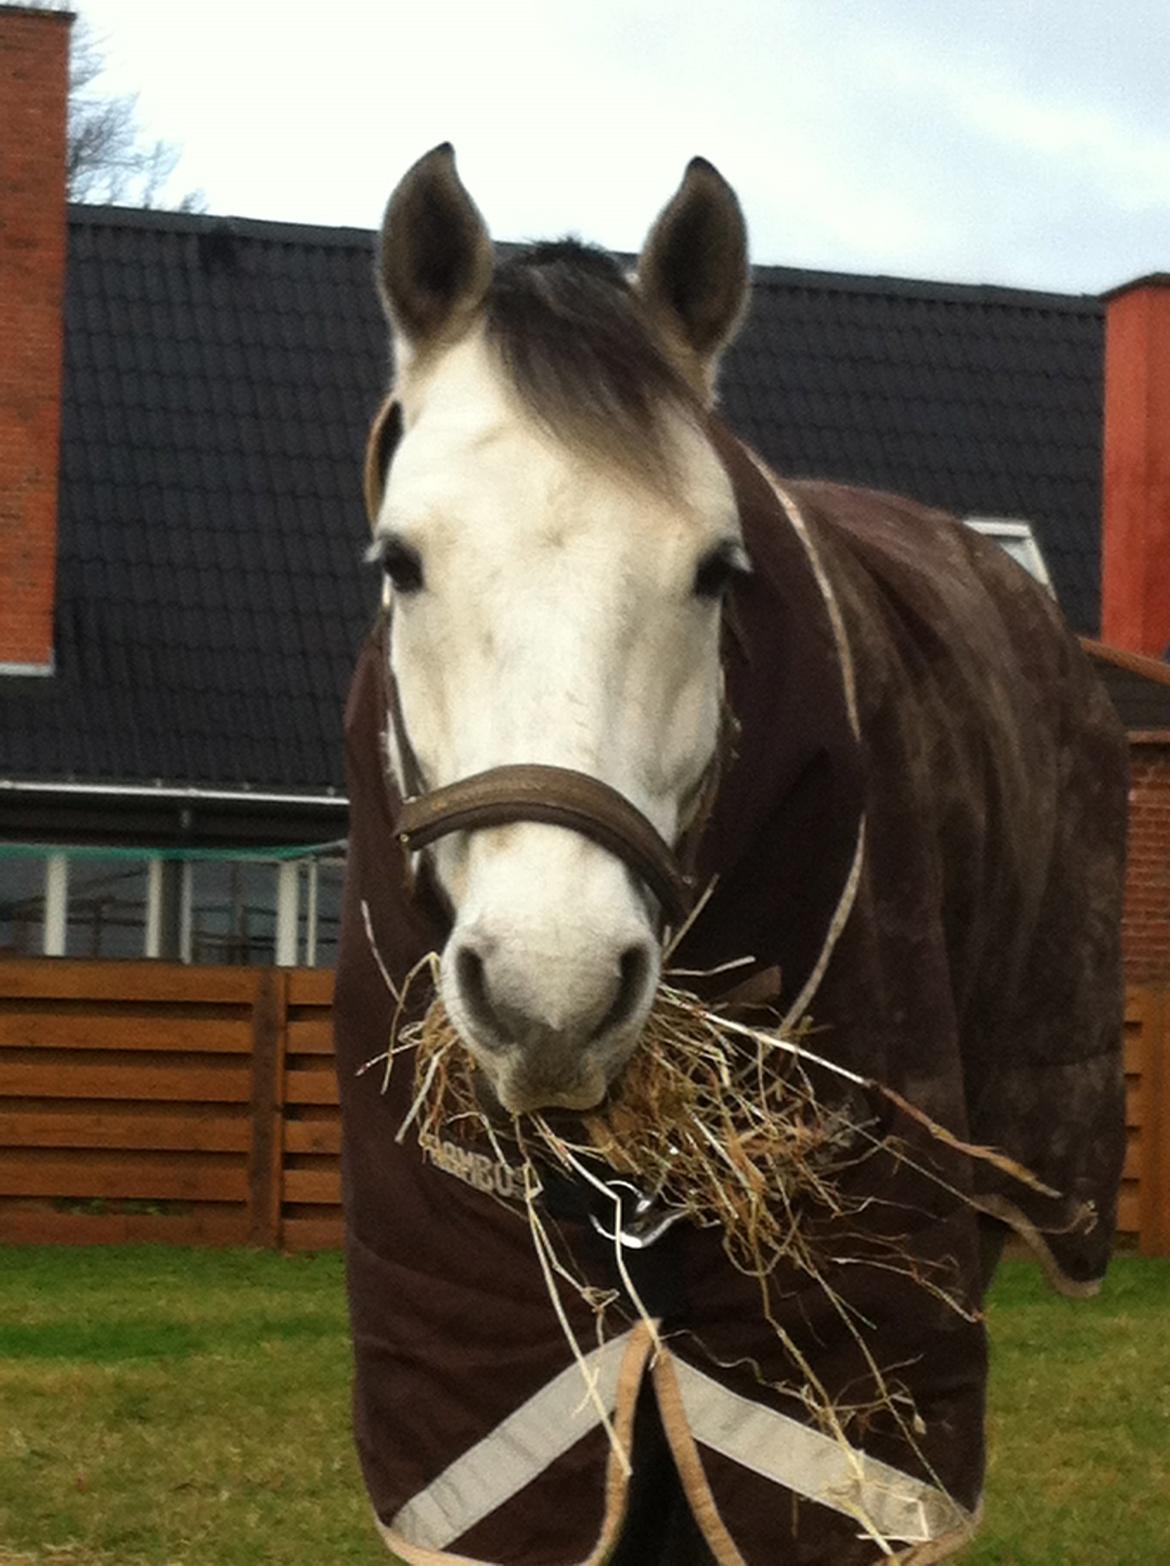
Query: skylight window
[[1017, 539]]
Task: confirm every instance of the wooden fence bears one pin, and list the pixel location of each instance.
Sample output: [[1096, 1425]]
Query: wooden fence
[[150, 1101], [1144, 1209]]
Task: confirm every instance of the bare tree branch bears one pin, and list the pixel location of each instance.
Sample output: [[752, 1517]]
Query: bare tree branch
[[107, 162]]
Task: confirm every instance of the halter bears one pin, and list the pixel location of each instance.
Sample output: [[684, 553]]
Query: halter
[[561, 797], [557, 796]]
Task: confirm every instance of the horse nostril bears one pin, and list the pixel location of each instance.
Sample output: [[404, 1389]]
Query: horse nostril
[[633, 968], [473, 989]]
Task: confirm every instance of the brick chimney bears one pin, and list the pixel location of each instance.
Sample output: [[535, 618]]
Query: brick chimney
[[34, 79], [1135, 593]]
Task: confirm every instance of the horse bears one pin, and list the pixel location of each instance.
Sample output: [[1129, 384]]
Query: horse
[[621, 663]]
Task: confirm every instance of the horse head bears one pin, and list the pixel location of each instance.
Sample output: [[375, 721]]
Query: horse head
[[557, 533]]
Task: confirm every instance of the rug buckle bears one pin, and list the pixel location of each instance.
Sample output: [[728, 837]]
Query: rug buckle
[[643, 1220]]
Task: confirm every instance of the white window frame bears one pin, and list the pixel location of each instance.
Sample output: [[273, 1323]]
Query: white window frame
[[287, 904], [186, 915], [154, 891], [1016, 531], [56, 903], [312, 878], [291, 897]]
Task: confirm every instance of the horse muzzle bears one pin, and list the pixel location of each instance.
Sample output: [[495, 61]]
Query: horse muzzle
[[550, 1022], [549, 1029]]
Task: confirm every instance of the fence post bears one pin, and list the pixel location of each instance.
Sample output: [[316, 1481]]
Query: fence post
[[1154, 1193], [266, 1158]]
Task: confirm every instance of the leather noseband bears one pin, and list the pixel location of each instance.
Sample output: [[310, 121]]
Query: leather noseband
[[558, 796]]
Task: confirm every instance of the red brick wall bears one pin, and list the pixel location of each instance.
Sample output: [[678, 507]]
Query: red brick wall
[[1147, 890], [1135, 556], [34, 55]]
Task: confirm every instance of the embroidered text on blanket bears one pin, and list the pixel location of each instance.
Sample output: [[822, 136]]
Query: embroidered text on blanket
[[477, 1170]]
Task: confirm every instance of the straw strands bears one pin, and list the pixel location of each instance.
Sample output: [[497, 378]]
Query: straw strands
[[719, 1121]]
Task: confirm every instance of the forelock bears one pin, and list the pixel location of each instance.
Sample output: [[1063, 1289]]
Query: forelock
[[574, 341]]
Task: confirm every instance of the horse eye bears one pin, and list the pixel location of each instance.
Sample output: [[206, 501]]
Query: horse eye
[[403, 565], [715, 571]]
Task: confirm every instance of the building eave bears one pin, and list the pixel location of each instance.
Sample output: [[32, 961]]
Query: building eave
[[183, 794]]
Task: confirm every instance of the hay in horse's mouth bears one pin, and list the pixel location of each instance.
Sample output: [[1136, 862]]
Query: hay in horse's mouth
[[711, 1118], [720, 1122]]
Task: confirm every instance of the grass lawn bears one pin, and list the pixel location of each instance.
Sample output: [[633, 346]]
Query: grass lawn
[[189, 1408]]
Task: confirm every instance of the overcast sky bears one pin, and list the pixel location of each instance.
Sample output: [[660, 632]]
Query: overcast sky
[[1025, 143]]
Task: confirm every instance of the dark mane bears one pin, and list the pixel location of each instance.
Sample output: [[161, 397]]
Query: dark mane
[[574, 340]]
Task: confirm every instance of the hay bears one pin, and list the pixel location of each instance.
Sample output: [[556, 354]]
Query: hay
[[712, 1118], [697, 1121], [719, 1121]]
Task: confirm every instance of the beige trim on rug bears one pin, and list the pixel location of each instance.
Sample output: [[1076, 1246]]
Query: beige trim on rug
[[418, 1554], [1008, 1213], [836, 924], [890, 1505], [519, 1449], [689, 1464], [617, 1483], [516, 1452], [836, 622], [849, 683]]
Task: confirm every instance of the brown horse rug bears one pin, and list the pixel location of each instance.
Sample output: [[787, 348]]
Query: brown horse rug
[[919, 842]]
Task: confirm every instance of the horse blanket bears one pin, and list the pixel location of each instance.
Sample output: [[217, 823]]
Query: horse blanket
[[921, 833]]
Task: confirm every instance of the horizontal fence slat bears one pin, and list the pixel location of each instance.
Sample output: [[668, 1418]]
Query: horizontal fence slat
[[1129, 1210], [62, 978], [313, 1185], [310, 987], [310, 1035], [121, 1176], [1136, 1001], [313, 1234], [180, 1133], [1134, 1107], [310, 1087], [42, 1029], [312, 1136], [31, 1226], [192, 1084]]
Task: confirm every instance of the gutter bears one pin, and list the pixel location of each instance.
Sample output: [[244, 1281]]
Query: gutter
[[218, 796]]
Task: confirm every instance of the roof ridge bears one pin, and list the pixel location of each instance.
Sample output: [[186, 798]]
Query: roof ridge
[[273, 230], [764, 275], [908, 287]]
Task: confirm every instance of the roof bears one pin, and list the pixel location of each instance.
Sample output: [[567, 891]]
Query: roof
[[984, 401], [219, 378]]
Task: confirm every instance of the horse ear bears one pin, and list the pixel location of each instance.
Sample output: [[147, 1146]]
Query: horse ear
[[385, 433], [434, 254], [693, 270]]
